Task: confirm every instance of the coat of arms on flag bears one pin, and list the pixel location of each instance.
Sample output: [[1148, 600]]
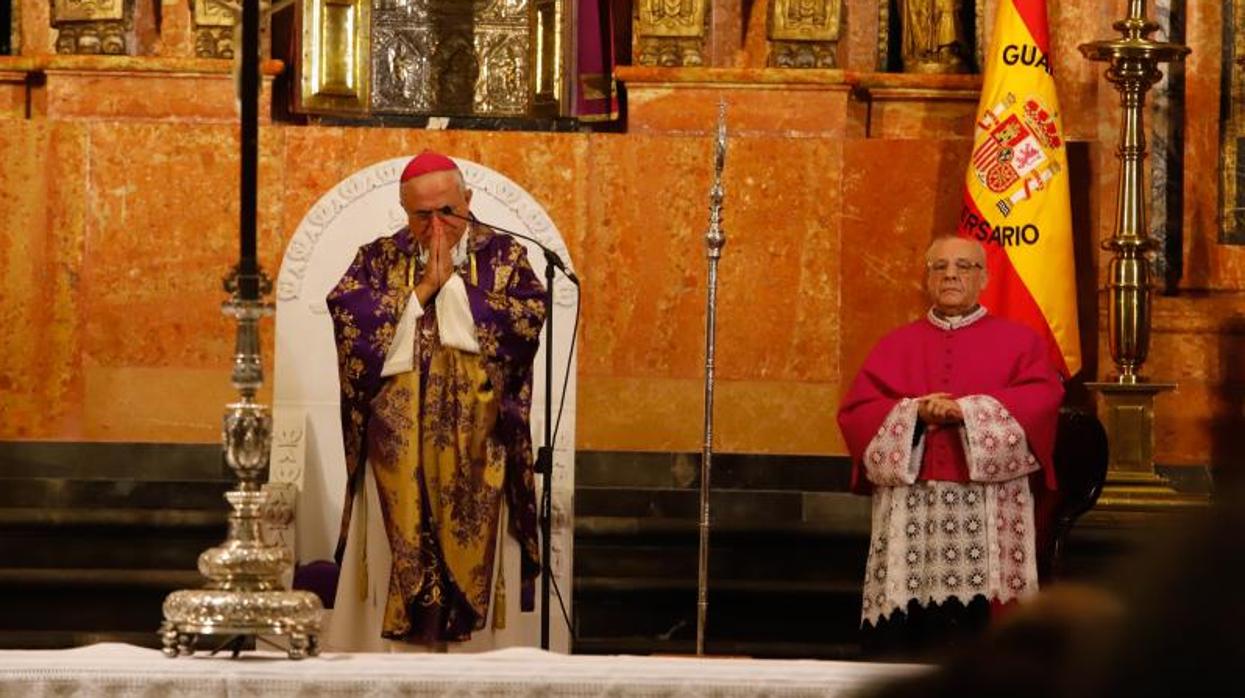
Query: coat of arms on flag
[[1016, 158]]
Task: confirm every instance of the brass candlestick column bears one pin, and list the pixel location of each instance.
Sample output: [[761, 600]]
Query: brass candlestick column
[[1129, 399]]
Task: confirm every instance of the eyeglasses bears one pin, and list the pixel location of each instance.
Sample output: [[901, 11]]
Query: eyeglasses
[[962, 266], [423, 218]]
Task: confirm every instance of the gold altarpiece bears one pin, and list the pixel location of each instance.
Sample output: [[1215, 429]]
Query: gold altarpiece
[[482, 58]]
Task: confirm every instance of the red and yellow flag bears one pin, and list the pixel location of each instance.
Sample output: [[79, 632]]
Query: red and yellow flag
[[1016, 198]]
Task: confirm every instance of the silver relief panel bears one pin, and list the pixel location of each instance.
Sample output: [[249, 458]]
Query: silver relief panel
[[451, 57]]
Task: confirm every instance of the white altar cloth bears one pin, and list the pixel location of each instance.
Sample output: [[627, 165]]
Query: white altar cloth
[[124, 670]]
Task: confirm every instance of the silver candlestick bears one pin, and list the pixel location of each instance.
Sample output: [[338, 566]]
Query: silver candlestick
[[244, 598]]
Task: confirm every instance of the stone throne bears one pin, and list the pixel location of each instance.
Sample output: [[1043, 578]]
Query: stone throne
[[308, 465]]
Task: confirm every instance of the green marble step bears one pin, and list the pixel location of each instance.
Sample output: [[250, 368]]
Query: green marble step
[[634, 510], [731, 471], [88, 600], [105, 493], [738, 615], [752, 559], [119, 461]]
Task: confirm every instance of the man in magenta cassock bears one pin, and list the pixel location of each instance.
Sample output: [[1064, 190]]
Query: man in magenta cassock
[[436, 328], [951, 427]]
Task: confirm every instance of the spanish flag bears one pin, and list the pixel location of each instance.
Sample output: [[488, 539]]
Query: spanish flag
[[1016, 198]]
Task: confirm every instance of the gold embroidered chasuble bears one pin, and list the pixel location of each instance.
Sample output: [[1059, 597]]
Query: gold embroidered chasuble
[[446, 440]]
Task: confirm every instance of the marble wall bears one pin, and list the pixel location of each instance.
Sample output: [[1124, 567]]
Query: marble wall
[[118, 219]]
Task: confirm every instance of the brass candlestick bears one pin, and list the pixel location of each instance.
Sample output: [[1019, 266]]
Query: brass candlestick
[[1134, 60], [1129, 398]]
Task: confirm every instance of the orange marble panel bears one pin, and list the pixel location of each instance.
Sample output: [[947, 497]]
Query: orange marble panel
[[37, 37], [14, 97], [315, 159], [643, 263], [754, 52], [793, 103], [779, 277], [1213, 357], [913, 113], [546, 166], [645, 259], [1196, 342], [176, 33], [184, 90], [651, 414], [163, 232], [897, 194], [859, 35], [1200, 424], [1078, 80], [1208, 264], [42, 215], [144, 403], [726, 34]]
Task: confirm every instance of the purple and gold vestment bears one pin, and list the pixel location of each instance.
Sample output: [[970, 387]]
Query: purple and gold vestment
[[446, 440]]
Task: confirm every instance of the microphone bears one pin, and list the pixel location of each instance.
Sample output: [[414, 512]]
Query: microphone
[[550, 256]]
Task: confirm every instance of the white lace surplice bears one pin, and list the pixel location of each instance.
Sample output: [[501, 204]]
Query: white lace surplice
[[934, 540]]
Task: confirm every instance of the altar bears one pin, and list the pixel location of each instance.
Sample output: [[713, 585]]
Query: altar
[[112, 669]]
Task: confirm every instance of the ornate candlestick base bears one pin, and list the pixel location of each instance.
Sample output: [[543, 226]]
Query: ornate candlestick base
[[244, 597], [1132, 484]]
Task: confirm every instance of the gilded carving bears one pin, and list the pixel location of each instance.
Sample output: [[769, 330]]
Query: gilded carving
[[15, 28], [501, 87], [452, 57], [402, 70], [794, 54], [214, 42], [449, 57], [334, 68], [212, 13], [670, 32], [86, 10], [1232, 135], [932, 36], [213, 23], [803, 33], [501, 11], [804, 20], [93, 26], [671, 17]]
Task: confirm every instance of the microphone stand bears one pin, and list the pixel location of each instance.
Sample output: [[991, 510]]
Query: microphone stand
[[544, 454]]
